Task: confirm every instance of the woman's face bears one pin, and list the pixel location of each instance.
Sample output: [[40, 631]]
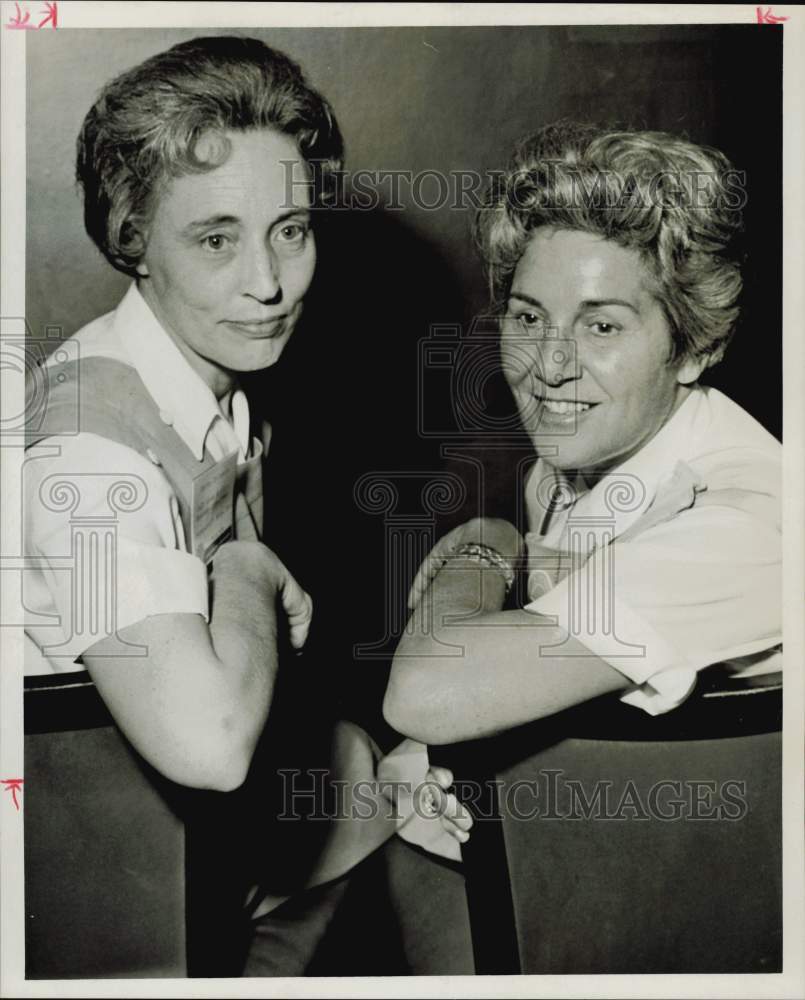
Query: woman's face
[[585, 348], [230, 255]]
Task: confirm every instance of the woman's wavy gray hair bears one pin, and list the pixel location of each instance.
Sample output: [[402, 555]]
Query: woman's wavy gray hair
[[145, 125], [676, 203]]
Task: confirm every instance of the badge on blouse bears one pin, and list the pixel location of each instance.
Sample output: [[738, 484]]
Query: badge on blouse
[[212, 506]]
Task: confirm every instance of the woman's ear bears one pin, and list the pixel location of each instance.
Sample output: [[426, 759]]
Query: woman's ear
[[134, 237], [690, 369]]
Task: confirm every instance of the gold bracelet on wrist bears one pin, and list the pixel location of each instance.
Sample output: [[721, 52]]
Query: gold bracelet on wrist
[[486, 555]]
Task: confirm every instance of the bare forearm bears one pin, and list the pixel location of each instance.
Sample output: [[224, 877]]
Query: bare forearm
[[243, 631], [458, 679], [195, 704], [461, 588]]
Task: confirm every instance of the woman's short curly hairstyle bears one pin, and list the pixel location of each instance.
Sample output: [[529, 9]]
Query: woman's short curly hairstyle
[[144, 128], [678, 204]]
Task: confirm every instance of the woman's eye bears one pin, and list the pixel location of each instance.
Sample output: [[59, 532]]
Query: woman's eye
[[604, 329], [293, 232], [529, 319], [215, 241]]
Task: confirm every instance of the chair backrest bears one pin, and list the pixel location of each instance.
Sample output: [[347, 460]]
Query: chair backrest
[[130, 875], [630, 844], [105, 852]]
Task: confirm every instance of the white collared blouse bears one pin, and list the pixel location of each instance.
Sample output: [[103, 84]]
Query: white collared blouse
[[156, 574], [671, 562]]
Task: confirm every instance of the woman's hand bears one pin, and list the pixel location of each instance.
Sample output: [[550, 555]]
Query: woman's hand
[[497, 533], [455, 819], [254, 566], [400, 778]]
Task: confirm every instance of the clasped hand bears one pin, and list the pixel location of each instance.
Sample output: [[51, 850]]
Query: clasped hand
[[261, 574]]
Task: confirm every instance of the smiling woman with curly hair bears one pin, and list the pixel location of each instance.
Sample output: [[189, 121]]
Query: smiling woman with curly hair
[[653, 543]]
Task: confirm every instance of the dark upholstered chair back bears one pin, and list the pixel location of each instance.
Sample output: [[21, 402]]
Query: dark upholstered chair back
[[630, 843], [104, 848]]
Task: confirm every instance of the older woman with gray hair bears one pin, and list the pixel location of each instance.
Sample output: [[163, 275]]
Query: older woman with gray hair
[[183, 162], [202, 169], [652, 512]]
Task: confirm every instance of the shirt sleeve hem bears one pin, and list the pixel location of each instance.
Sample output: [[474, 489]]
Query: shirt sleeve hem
[[662, 677]]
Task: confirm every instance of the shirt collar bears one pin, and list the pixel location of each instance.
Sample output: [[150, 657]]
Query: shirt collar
[[184, 399], [625, 493], [235, 410]]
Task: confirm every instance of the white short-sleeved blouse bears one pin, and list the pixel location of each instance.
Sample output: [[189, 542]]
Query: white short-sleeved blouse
[[673, 561]]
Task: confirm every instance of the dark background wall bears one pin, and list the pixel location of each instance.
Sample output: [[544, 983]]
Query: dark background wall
[[447, 99], [345, 398]]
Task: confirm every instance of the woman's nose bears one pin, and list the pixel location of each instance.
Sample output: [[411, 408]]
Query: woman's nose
[[557, 360], [262, 277]]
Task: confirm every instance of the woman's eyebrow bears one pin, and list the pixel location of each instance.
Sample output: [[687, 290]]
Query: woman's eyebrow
[[597, 303], [199, 225], [583, 306], [214, 220], [292, 213], [527, 298]]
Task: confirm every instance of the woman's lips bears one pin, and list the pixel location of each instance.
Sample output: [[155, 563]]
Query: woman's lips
[[562, 412], [563, 406], [259, 328]]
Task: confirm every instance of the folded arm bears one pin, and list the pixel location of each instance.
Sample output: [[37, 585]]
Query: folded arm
[[195, 705], [502, 673]]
